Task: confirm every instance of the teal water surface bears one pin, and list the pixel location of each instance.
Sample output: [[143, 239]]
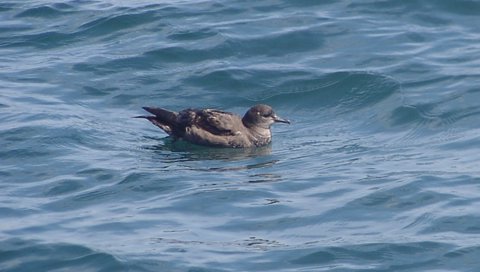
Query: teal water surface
[[377, 172]]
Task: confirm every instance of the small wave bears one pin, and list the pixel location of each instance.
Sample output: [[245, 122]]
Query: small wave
[[345, 91], [47, 11], [31, 255], [383, 256], [192, 34], [278, 44], [464, 224], [437, 118], [43, 40], [114, 23], [64, 187]]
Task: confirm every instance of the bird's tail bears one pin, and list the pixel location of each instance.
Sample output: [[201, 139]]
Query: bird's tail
[[164, 119], [162, 115]]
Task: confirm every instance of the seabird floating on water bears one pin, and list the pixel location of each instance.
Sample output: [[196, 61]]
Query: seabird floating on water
[[212, 127]]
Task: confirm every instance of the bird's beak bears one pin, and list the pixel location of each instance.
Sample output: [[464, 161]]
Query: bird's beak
[[280, 120]]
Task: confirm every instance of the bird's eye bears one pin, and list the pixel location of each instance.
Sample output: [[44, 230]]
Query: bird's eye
[[267, 114]]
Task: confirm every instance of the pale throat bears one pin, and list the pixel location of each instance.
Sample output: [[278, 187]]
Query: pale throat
[[260, 132]]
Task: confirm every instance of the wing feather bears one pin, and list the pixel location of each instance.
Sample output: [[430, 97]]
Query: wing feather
[[219, 122]]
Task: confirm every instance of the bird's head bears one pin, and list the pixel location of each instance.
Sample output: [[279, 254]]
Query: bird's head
[[262, 116]]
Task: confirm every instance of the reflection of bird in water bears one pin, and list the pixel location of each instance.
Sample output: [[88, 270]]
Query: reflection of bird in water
[[185, 151], [217, 128]]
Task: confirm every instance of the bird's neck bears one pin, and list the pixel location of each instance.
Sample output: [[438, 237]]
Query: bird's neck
[[261, 135]]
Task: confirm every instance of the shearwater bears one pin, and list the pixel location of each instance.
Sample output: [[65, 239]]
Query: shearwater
[[213, 127]]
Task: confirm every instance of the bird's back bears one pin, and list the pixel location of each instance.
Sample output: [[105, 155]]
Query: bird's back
[[213, 127], [214, 121]]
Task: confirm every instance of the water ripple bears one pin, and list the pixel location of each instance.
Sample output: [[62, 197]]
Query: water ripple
[[38, 256]]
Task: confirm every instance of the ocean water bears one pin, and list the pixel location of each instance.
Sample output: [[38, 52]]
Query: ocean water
[[379, 170]]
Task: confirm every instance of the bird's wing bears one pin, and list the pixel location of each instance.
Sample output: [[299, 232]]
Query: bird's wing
[[219, 122]]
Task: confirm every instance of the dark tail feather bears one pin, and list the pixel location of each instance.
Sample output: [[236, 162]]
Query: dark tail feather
[[163, 119], [163, 115]]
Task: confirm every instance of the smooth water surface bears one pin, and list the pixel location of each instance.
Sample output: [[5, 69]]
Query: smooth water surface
[[378, 171]]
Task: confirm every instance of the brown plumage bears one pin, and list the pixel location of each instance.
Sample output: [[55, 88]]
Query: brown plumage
[[212, 127]]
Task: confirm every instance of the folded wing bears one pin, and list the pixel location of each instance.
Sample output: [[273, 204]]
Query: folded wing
[[219, 122]]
